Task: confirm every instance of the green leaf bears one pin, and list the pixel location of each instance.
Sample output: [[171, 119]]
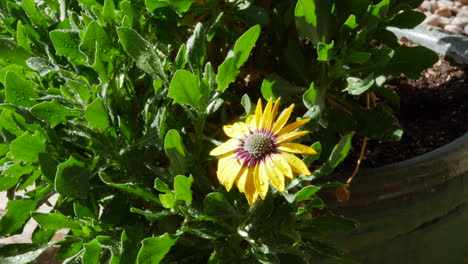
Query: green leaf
[[55, 221], [10, 52], [108, 11], [247, 104], [380, 10], [214, 106], [12, 174], [196, 49], [388, 128], [306, 8], [359, 57], [72, 251], [306, 20], [340, 151], [310, 96], [19, 91], [51, 112], [324, 51], [113, 245], [10, 68], [180, 60], [42, 235], [227, 73], [48, 166], [154, 216], [66, 43], [29, 180], [184, 89], [154, 249], [174, 149], [93, 35], [16, 215], [307, 193], [315, 202], [27, 147], [96, 115], [161, 186], [173, 140], [72, 178], [142, 52], [40, 65], [311, 158], [80, 89], [129, 188], [92, 251], [357, 86], [167, 200], [182, 189], [275, 86], [245, 44], [411, 61], [130, 242], [22, 253], [35, 14], [21, 36], [216, 205], [180, 6], [407, 19]]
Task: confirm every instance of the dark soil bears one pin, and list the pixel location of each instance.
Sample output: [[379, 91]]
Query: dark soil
[[433, 112]]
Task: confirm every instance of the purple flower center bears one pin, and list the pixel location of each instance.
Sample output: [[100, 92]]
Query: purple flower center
[[255, 147]]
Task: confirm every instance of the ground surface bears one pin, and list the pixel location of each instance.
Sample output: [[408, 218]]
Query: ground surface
[[433, 112]]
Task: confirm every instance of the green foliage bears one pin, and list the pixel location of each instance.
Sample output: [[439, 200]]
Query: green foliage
[[115, 105]]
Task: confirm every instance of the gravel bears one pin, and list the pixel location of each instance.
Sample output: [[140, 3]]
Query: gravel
[[451, 16]]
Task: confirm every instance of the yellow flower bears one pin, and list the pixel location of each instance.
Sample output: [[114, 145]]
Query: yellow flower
[[259, 152]]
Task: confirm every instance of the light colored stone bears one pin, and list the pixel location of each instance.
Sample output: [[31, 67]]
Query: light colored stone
[[457, 4], [460, 21], [463, 13], [444, 4], [434, 4], [454, 29], [426, 5], [445, 21], [432, 20], [445, 12], [466, 30]]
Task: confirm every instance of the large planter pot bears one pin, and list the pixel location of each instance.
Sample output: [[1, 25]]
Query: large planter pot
[[413, 211]]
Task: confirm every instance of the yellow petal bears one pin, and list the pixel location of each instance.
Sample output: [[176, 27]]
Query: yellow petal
[[275, 176], [250, 191], [297, 148], [297, 164], [228, 169], [282, 119], [258, 115], [273, 114], [261, 179], [228, 146], [282, 165], [267, 114], [250, 121], [290, 136], [237, 130], [293, 126], [241, 179]]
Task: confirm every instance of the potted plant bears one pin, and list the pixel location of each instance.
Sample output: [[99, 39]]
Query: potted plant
[[116, 107], [414, 210]]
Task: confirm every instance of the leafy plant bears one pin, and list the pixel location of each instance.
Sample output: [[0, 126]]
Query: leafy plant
[[115, 105]]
